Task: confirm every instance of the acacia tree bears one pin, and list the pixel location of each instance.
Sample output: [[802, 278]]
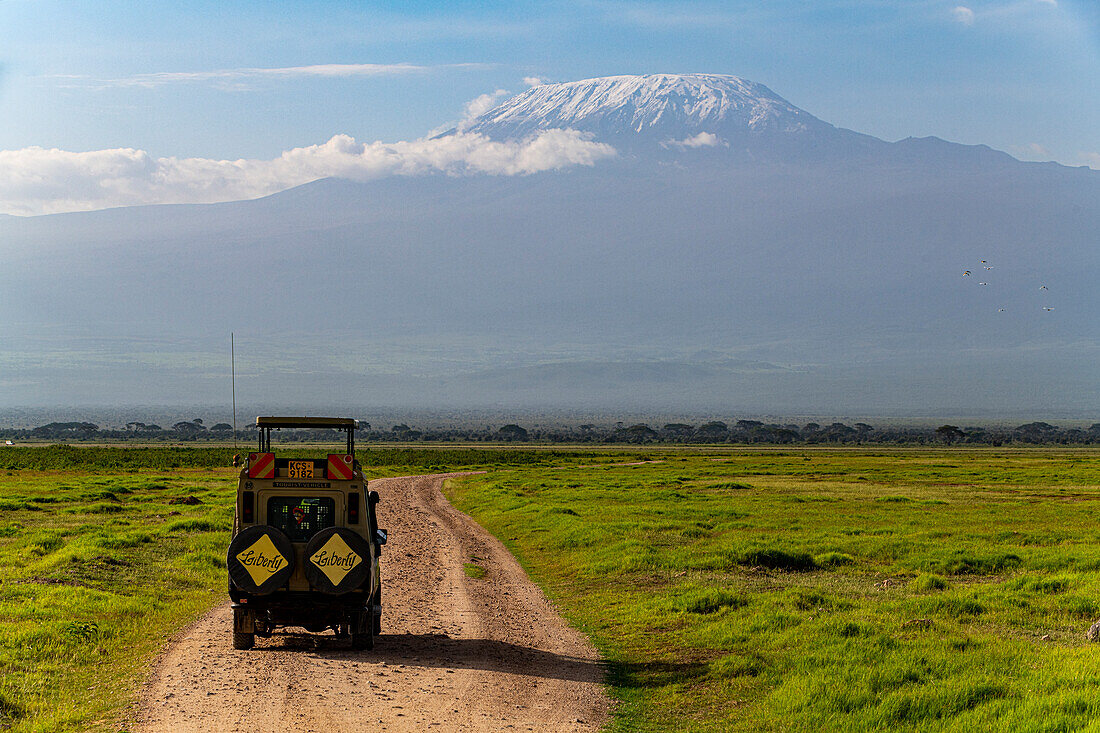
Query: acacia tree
[[950, 433]]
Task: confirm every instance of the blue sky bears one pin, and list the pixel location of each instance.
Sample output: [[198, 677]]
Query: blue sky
[[224, 81]]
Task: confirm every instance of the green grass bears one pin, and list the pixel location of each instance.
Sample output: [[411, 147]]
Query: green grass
[[95, 572], [114, 458], [823, 590]]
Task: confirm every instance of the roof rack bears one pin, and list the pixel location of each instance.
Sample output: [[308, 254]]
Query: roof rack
[[266, 424], [339, 423]]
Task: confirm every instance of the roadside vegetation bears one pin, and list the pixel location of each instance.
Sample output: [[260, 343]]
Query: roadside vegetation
[[96, 571], [826, 590]]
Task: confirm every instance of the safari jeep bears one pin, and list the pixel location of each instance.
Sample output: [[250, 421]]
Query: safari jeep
[[306, 542]]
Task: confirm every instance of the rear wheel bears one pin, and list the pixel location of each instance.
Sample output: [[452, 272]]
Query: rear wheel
[[376, 612], [242, 640], [362, 633], [363, 641]]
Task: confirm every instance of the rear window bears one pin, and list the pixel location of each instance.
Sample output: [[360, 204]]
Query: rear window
[[301, 517]]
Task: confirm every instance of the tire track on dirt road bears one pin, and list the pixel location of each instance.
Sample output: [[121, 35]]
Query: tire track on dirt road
[[456, 653]]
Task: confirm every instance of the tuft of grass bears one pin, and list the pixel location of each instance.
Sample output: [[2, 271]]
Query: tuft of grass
[[710, 600], [199, 525], [778, 559], [831, 560], [473, 570], [736, 665], [10, 711], [929, 581]]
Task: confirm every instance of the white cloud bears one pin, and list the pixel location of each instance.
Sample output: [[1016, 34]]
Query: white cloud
[[702, 140], [1049, 2], [44, 181], [236, 77], [1092, 160], [963, 15], [533, 81], [478, 106]]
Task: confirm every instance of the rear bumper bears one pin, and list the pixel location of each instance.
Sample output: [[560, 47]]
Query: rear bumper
[[311, 611]]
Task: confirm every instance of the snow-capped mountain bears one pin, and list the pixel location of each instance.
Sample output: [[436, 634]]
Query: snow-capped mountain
[[671, 111], [641, 104]]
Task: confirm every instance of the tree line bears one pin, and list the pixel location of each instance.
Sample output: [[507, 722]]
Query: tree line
[[715, 431]]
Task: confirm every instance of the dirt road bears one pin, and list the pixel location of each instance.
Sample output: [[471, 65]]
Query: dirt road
[[456, 654]]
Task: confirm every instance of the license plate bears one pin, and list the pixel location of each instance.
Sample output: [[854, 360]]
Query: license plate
[[300, 469]]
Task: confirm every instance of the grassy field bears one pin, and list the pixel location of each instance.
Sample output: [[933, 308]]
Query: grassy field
[[95, 571], [99, 565], [752, 590], [824, 590]]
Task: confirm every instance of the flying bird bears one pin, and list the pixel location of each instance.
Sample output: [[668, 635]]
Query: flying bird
[[989, 267], [1047, 309], [1000, 310], [1042, 287], [966, 273], [983, 283]]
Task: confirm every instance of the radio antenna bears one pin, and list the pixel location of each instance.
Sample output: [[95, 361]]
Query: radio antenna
[[233, 381]]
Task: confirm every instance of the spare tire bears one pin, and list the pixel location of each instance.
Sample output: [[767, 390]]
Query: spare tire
[[260, 560], [337, 560]]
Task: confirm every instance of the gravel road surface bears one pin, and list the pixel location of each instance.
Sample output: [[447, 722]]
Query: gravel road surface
[[456, 654]]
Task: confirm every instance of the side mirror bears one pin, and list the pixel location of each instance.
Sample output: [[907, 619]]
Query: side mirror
[[380, 536], [373, 497]]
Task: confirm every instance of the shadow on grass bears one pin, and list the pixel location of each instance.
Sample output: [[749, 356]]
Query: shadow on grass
[[650, 675]]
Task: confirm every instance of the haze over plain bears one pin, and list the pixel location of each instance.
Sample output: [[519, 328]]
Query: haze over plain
[[621, 243]]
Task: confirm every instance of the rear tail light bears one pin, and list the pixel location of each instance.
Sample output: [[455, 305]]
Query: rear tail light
[[247, 512], [353, 508]]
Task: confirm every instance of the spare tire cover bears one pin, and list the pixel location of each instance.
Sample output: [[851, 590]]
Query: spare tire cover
[[337, 560], [260, 559]]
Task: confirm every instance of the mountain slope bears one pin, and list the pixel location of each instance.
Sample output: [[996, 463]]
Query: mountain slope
[[842, 271]]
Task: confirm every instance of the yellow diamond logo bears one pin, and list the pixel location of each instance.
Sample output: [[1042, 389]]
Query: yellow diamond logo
[[261, 560], [335, 559]]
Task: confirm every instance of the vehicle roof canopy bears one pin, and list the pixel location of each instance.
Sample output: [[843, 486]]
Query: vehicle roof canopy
[[339, 423]]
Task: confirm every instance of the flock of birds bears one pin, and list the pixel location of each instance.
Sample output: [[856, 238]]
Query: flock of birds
[[987, 266]]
